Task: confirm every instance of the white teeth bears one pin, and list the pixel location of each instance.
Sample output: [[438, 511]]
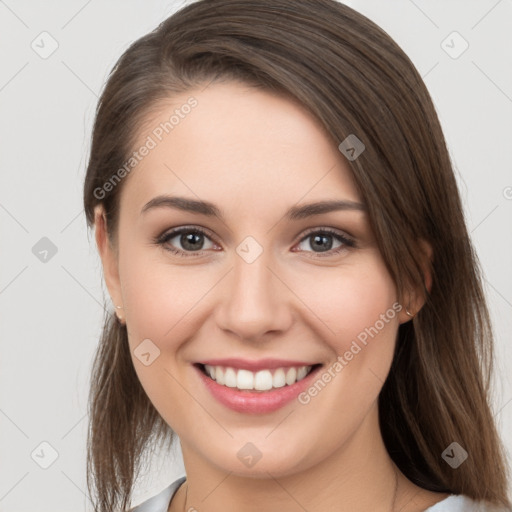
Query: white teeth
[[279, 378], [262, 380], [244, 379], [291, 376], [301, 372], [230, 378]]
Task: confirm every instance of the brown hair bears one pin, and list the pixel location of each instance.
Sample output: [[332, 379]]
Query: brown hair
[[355, 79]]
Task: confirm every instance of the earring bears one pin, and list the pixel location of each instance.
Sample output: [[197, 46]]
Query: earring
[[407, 312], [119, 316]]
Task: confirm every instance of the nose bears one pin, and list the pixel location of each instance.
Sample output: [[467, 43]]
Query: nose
[[255, 300]]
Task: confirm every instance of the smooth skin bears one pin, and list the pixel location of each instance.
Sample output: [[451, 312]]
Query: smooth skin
[[254, 154]]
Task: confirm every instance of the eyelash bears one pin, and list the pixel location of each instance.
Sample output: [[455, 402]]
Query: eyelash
[[165, 237]]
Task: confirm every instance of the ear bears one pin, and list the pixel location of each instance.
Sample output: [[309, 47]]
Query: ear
[[108, 256], [415, 299]]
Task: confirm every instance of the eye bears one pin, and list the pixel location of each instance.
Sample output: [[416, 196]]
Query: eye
[[191, 240], [322, 239]]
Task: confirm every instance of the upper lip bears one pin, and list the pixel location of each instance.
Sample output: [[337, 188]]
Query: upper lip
[[252, 365]]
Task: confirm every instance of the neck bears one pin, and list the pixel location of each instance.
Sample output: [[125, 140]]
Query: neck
[[356, 477]]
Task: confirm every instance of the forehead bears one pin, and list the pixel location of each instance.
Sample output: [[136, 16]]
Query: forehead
[[234, 144]]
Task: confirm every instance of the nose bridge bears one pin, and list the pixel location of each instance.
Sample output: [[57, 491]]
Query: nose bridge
[[255, 301]]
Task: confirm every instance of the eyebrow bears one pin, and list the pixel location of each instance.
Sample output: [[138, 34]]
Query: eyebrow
[[210, 210]]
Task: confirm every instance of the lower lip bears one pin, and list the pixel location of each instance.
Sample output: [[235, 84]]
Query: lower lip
[[259, 402]]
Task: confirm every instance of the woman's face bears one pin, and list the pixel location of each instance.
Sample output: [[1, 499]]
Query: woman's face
[[260, 289]]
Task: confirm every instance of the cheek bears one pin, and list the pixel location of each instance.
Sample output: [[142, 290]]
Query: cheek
[[356, 316], [367, 310], [356, 303], [351, 301], [163, 301], [156, 295]]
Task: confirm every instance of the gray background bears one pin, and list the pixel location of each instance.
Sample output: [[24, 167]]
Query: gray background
[[51, 311]]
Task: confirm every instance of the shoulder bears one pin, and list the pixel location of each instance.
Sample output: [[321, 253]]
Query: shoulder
[[160, 502], [460, 503]]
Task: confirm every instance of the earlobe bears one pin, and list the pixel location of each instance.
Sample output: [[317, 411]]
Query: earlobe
[[108, 256]]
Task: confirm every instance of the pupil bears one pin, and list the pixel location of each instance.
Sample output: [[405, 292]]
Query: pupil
[[323, 238], [188, 241]]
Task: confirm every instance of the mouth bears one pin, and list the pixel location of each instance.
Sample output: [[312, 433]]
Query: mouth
[[261, 391], [260, 381]]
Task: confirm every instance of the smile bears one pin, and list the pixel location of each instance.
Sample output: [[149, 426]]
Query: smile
[[262, 380], [255, 388]]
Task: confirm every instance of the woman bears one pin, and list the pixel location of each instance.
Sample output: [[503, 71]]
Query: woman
[[296, 295]]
